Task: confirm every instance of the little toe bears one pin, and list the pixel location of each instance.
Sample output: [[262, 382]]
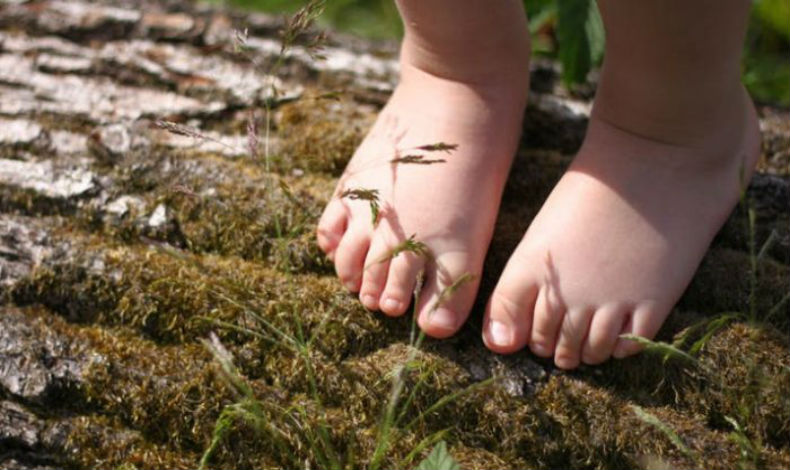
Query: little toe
[[401, 279], [606, 325], [374, 276], [508, 316], [575, 324], [350, 257], [332, 226], [546, 321], [645, 322], [441, 316]]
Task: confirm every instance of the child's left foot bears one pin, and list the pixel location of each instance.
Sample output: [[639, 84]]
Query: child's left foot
[[619, 239]]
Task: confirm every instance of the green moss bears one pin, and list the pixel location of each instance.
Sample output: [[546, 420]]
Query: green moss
[[320, 135], [723, 283], [176, 298], [97, 441], [751, 371], [29, 202]]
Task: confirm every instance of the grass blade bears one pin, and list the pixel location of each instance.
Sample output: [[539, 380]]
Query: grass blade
[[665, 349], [670, 433]]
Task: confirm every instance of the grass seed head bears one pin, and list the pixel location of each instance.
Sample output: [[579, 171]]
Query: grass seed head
[[448, 291], [369, 195], [417, 160], [438, 147], [299, 24], [411, 245]]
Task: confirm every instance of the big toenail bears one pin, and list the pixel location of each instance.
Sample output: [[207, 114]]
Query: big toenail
[[392, 304], [443, 319], [501, 334]]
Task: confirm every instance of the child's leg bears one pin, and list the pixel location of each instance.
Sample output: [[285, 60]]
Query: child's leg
[[464, 81], [619, 238]]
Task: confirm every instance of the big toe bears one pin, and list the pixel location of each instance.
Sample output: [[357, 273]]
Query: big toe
[[350, 256], [508, 317]]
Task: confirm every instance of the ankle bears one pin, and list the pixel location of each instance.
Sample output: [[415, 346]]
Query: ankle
[[691, 123], [507, 66], [477, 42]]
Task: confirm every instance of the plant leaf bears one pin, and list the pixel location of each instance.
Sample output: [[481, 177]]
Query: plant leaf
[[581, 38], [439, 459], [670, 433], [665, 350]]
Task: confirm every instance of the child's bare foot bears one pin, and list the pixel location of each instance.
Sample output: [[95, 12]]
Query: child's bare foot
[[672, 138], [470, 95], [616, 243]]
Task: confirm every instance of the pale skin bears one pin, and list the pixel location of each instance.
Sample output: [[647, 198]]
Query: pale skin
[[672, 139]]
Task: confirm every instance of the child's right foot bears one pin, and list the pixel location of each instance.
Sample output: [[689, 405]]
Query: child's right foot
[[472, 97]]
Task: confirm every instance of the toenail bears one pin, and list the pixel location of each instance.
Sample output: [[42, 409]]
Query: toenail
[[369, 300], [501, 334], [564, 362], [443, 319], [391, 304], [540, 349], [351, 285]]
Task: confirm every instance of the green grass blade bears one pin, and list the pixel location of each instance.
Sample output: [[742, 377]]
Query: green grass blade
[[665, 349], [447, 399], [670, 433]]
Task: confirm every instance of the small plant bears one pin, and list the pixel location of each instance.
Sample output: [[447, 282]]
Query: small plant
[[296, 27], [750, 454], [191, 132], [439, 459]]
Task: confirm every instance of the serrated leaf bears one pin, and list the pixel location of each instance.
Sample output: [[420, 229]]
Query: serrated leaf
[[439, 459], [581, 38]]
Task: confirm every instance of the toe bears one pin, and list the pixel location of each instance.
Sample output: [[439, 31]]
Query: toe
[[573, 331], [401, 279], [441, 316], [374, 276], [549, 312], [350, 257], [508, 317], [332, 226], [644, 322], [606, 325]]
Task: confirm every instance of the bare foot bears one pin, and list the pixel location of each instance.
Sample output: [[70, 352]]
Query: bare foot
[[449, 206], [618, 240]]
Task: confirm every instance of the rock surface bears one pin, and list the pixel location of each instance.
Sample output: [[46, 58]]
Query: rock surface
[[143, 205]]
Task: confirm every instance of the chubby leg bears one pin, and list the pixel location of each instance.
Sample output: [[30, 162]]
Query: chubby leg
[[672, 136], [464, 81]]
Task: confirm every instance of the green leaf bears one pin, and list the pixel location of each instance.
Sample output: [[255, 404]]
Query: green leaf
[[439, 459], [581, 38]]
